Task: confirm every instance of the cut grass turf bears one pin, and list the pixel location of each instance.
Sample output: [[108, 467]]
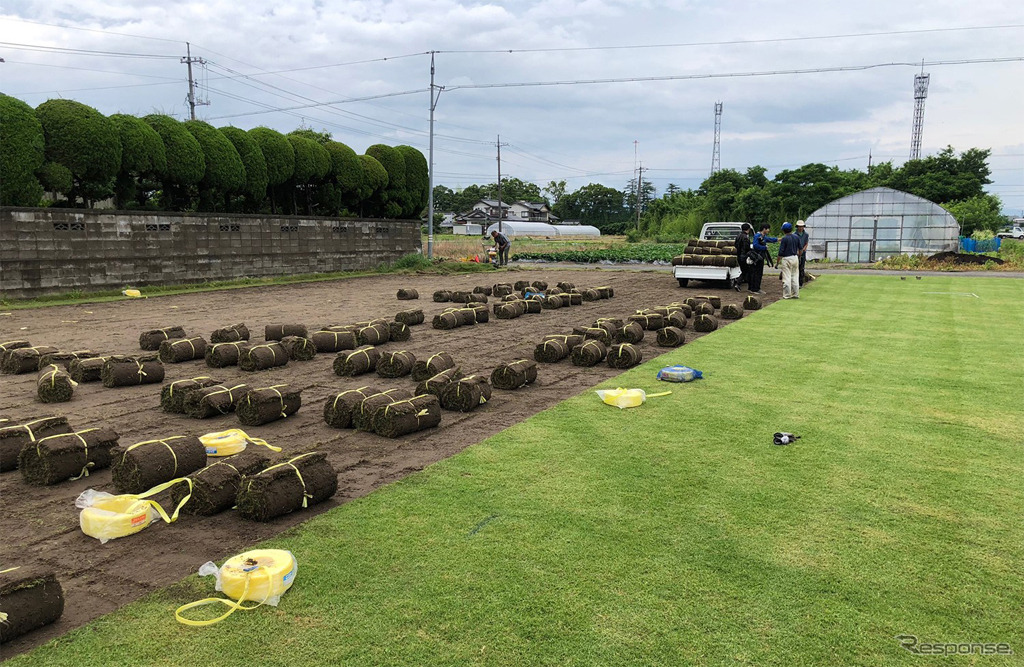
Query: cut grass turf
[[676, 533]]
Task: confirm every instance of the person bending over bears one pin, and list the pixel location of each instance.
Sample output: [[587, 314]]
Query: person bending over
[[503, 245]]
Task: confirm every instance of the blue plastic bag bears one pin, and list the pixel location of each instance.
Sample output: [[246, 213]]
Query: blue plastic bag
[[679, 374]]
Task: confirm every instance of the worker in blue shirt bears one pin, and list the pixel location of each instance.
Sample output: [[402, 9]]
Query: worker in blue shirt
[[759, 254], [789, 260], [801, 233]]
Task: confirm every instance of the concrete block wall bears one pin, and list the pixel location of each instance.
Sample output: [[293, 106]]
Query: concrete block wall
[[51, 250]]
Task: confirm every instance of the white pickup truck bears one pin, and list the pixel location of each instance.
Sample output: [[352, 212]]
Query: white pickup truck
[[728, 276], [1015, 232]]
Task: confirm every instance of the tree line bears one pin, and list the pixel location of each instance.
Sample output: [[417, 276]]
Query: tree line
[[159, 163], [955, 181]]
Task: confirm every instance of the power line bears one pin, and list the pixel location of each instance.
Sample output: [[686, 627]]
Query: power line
[[85, 52], [734, 42], [322, 104], [105, 32], [686, 77], [76, 90], [90, 69]]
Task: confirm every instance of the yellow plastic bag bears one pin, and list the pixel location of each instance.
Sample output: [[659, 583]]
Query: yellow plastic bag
[[132, 293], [626, 398], [231, 441], [262, 575], [107, 517]]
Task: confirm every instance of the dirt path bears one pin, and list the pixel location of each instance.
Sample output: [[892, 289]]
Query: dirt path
[[40, 524]]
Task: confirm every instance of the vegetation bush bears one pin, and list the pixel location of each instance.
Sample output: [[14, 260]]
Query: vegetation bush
[[186, 164], [277, 153], [417, 180], [85, 142], [224, 173], [255, 188], [22, 152], [392, 200]]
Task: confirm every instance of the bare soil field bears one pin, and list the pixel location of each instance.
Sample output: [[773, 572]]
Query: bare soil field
[[39, 525]]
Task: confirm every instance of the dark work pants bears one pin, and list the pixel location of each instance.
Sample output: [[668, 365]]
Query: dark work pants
[[756, 273], [744, 271], [503, 255], [803, 269]]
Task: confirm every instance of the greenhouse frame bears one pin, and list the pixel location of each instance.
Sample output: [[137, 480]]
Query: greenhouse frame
[[877, 223], [519, 228]]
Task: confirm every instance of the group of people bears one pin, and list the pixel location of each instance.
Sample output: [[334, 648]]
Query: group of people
[[752, 253]]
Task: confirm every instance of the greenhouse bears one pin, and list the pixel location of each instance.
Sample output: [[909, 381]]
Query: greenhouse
[[873, 224], [516, 228]]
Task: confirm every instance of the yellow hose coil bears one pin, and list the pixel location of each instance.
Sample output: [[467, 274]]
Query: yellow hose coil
[[262, 575], [107, 517], [232, 441]]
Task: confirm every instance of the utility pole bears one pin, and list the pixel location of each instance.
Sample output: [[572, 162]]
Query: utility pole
[[192, 101], [639, 186], [716, 156], [500, 214], [920, 95], [435, 95]]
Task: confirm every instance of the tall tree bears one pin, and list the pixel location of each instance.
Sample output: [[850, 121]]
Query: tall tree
[[86, 143], [22, 152], [185, 163], [255, 189], [143, 158]]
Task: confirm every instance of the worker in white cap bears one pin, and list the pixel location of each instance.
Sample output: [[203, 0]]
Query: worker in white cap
[[801, 233]]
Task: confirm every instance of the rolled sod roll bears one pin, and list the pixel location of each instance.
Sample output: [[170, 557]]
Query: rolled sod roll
[[474, 314], [400, 332], [589, 353], [442, 296], [172, 396], [268, 404], [432, 365], [447, 321], [231, 334], [466, 394], [362, 416], [300, 482], [509, 310], [575, 298], [571, 340], [86, 370], [522, 285], [624, 355], [705, 323], [375, 334], [261, 357], [566, 286], [221, 355], [436, 383], [605, 292], [334, 341], [610, 324], [752, 303], [183, 349], [408, 294], [511, 297], [686, 310], [30, 597], [676, 319], [213, 401], [660, 310], [54, 385], [715, 301], [142, 466], [550, 351], [299, 348], [377, 321], [125, 371], [14, 435], [515, 374], [648, 322], [215, 487], [692, 303], [483, 289], [25, 359], [57, 458], [12, 345], [501, 289], [552, 302], [704, 308], [731, 311], [356, 362], [395, 364], [532, 306], [631, 333], [536, 296], [671, 337], [279, 331], [64, 358], [557, 291], [408, 416], [150, 340], [594, 333], [472, 297], [338, 410], [732, 261], [410, 317], [539, 285], [590, 295]]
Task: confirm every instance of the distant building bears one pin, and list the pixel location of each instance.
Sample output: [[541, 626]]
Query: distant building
[[486, 211]]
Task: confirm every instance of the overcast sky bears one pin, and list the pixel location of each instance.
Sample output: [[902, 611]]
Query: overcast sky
[[296, 53]]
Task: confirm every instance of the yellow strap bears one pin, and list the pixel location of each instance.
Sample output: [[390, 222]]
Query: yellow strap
[[348, 391], [663, 393], [274, 389], [10, 569], [231, 604], [163, 487], [290, 464]]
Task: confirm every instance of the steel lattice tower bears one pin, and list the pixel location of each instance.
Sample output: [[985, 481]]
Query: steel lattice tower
[[920, 94], [716, 157]]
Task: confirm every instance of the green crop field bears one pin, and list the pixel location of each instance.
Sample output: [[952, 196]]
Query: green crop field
[[676, 533]]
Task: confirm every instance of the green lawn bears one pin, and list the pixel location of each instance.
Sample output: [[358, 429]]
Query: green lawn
[[675, 533]]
